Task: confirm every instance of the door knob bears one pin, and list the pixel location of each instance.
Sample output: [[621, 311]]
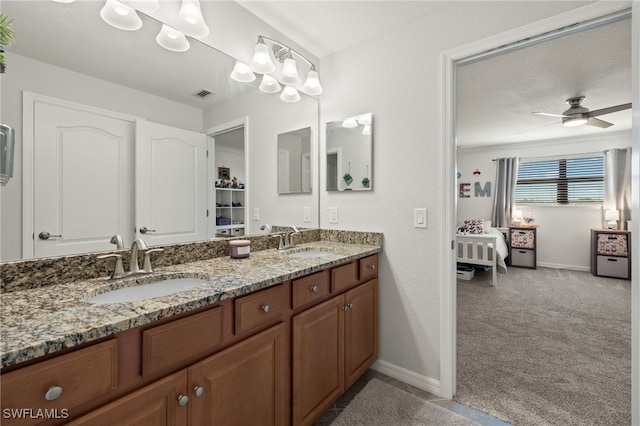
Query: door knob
[[44, 235], [144, 230]]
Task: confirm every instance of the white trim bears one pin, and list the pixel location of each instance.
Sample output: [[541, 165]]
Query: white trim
[[407, 376], [448, 282], [29, 100]]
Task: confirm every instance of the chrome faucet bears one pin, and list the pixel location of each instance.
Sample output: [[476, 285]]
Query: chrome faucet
[[117, 240], [134, 267], [288, 237], [267, 227], [137, 245]]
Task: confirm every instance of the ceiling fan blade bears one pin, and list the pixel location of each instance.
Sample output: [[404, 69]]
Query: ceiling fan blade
[[546, 114], [536, 128], [609, 110], [598, 123]]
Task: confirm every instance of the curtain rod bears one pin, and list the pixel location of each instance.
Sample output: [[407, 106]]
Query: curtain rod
[[581, 154]]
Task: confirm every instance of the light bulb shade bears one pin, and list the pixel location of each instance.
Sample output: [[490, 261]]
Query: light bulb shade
[[120, 16], [145, 6], [312, 83], [261, 61], [269, 84], [290, 94], [190, 20], [364, 119], [242, 73], [172, 39], [289, 74], [350, 123], [64, 1], [366, 130], [574, 121]]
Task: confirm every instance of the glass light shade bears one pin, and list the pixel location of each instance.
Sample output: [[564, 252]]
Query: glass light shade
[[64, 1], [574, 122], [190, 20], [366, 130], [120, 16], [145, 6], [312, 83], [242, 73], [290, 94], [269, 84], [289, 74], [364, 119], [350, 123], [261, 61], [172, 39]]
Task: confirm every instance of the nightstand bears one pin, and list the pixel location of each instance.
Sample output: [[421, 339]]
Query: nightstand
[[522, 246], [611, 253]]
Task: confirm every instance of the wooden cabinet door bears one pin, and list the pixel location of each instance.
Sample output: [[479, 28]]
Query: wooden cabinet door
[[361, 330], [318, 359], [155, 404], [246, 384]]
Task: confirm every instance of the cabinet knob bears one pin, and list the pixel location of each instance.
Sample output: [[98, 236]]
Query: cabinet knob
[[350, 305], [266, 308], [372, 266], [198, 391], [53, 393], [347, 307], [183, 400], [314, 289]]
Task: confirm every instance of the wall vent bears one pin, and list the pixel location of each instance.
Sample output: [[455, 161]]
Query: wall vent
[[203, 93]]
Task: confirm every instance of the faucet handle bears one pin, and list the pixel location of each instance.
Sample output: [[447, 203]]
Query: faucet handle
[[280, 241], [118, 271], [146, 267]]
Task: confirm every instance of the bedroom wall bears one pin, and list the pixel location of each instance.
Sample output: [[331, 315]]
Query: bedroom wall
[[564, 231]]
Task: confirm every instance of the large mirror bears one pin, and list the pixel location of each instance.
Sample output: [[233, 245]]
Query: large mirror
[[66, 52], [295, 167], [349, 154]]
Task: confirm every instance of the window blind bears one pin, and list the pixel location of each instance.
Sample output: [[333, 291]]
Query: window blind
[[561, 181]]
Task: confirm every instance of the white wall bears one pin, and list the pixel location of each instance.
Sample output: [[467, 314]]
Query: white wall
[[564, 231], [44, 79], [398, 77]]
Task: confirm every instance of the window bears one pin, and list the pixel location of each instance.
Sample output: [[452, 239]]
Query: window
[[561, 181]]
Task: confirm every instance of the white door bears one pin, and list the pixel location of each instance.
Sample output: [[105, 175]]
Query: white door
[[283, 171], [83, 180], [171, 184], [306, 172]]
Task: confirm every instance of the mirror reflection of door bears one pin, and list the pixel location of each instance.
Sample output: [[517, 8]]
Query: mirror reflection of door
[[294, 161], [332, 170], [283, 171]]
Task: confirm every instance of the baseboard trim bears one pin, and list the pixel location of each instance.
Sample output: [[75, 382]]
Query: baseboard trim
[[422, 382], [567, 267]]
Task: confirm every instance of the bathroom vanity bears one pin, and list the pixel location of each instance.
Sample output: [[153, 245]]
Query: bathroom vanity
[[273, 339]]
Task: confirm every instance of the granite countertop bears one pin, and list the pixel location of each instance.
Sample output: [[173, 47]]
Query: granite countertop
[[43, 320]]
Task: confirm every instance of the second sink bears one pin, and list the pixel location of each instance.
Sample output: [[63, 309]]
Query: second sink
[[146, 291]]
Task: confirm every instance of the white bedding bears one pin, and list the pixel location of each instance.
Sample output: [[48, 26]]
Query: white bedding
[[501, 249]]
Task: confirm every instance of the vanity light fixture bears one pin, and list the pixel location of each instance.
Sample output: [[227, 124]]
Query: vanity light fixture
[[241, 72], [289, 74], [261, 62], [120, 16], [172, 39], [350, 123], [269, 84], [190, 20], [145, 6], [64, 1], [290, 94]]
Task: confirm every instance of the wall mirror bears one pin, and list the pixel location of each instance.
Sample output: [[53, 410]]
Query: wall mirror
[[295, 161], [349, 154], [127, 72]]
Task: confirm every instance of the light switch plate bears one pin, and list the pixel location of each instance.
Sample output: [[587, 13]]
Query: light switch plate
[[307, 214], [333, 215], [420, 218], [256, 213]]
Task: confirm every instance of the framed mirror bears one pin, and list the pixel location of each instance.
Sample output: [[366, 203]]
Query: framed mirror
[[349, 154], [295, 169]]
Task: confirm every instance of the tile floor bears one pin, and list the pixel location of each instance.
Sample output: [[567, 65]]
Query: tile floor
[[333, 412]]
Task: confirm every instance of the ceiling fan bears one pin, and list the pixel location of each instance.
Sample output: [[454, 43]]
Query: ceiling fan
[[578, 115]]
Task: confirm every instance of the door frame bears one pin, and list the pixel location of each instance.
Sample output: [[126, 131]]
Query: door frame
[[448, 282], [29, 101]]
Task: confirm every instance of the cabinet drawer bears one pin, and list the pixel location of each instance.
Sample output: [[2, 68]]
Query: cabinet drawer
[[176, 342], [78, 376], [610, 266], [369, 267], [310, 288], [521, 257], [259, 308], [344, 277], [612, 244], [523, 238]]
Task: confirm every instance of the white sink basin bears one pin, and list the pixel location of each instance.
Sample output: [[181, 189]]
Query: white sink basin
[[310, 253], [146, 291]]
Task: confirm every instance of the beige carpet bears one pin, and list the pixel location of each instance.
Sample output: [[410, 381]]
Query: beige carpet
[[546, 347], [381, 404]]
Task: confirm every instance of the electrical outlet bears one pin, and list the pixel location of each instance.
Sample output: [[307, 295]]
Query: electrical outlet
[[420, 218], [256, 213], [307, 214], [333, 215]]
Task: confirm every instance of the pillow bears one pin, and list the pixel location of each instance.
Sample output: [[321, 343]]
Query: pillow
[[487, 226], [473, 226]]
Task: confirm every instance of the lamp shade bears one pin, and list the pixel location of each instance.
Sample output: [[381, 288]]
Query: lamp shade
[[290, 94], [269, 84], [120, 16], [312, 83], [172, 39], [289, 74], [190, 20], [611, 214], [145, 6], [261, 61], [242, 73]]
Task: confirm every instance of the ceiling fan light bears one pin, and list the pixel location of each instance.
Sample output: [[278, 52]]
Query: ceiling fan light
[[172, 39], [261, 61], [574, 121], [242, 73], [312, 83], [145, 6], [190, 20], [120, 16], [290, 94], [289, 74], [269, 84]]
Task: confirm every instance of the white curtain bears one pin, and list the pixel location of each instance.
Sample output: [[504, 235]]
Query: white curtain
[[617, 183], [506, 178]]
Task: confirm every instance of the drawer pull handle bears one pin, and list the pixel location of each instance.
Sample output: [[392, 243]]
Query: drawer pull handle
[[612, 260], [53, 393], [314, 289], [198, 391], [183, 400], [266, 308]]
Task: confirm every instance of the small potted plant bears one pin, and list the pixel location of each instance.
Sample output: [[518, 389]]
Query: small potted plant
[[6, 35], [347, 178], [365, 182]]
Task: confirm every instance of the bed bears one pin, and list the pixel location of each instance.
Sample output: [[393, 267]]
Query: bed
[[481, 249]]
